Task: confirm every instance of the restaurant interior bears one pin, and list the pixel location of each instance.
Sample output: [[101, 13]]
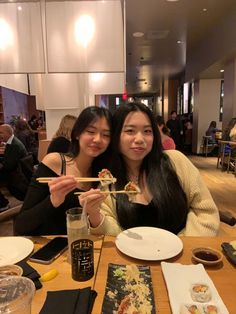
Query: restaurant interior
[[59, 57]]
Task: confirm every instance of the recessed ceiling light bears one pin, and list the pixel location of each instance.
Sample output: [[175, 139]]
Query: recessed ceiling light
[[19, 8], [204, 9], [138, 34], [172, 0], [222, 71], [180, 42]]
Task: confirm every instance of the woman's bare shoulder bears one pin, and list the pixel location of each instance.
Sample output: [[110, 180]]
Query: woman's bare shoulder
[[53, 161]]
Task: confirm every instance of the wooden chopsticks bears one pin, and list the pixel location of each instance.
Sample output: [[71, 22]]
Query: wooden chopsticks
[[112, 192], [79, 179]]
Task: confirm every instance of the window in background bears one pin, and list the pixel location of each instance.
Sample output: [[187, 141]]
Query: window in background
[[221, 99], [117, 101], [191, 98], [180, 100], [186, 98]]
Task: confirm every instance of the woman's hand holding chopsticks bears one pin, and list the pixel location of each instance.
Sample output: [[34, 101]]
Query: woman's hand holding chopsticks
[[91, 202], [59, 187]]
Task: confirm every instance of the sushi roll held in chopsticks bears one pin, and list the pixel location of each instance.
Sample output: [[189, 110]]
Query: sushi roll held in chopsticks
[[106, 174], [132, 190]]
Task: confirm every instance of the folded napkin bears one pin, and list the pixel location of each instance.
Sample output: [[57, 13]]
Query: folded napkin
[[31, 273], [179, 279], [79, 301]]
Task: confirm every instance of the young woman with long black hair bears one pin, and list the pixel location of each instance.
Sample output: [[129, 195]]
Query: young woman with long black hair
[[43, 211], [173, 196]]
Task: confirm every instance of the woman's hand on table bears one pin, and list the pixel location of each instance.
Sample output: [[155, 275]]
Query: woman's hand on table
[[60, 187], [91, 202]]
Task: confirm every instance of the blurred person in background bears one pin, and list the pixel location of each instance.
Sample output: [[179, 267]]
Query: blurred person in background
[[4, 203], [211, 131], [40, 123], [176, 131], [25, 134], [166, 140], [61, 140], [10, 170], [229, 134], [33, 122], [188, 133]]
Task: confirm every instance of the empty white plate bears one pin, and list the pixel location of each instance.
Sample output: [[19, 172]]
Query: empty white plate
[[14, 249], [147, 243]]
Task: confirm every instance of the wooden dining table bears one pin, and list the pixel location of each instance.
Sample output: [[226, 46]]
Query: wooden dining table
[[63, 280], [105, 252]]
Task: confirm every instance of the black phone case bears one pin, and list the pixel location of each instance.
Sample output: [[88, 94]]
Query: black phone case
[[54, 252], [229, 251]]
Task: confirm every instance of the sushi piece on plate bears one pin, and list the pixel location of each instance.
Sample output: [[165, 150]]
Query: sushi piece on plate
[[127, 305], [210, 309], [200, 292], [190, 309]]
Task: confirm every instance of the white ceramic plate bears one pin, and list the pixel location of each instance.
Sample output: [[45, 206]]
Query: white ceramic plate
[[147, 243], [14, 249]]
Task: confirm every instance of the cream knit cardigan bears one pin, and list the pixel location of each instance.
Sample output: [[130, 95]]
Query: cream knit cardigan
[[203, 217]]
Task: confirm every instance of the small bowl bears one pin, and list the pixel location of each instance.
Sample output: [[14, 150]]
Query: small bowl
[[10, 270], [207, 256]]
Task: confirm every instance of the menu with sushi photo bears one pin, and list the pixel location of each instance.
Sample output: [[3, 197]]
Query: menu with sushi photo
[[191, 291]]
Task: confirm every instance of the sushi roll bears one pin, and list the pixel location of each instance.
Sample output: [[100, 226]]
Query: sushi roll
[[210, 309], [132, 189], [190, 309], [106, 174], [200, 293]]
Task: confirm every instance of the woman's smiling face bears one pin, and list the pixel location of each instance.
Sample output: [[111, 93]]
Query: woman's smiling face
[[95, 139], [136, 138]]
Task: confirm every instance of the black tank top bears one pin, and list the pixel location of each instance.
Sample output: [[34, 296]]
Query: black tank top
[[140, 215]]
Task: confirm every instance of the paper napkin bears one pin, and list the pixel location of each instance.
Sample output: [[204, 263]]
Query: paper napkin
[[77, 301]]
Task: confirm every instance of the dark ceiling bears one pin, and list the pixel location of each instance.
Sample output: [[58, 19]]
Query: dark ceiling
[[172, 31]]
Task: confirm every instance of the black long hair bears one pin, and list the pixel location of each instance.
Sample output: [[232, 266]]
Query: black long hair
[[87, 116], [169, 199]]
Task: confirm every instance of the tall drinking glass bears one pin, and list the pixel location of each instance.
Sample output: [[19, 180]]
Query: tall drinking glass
[[77, 226], [16, 294]]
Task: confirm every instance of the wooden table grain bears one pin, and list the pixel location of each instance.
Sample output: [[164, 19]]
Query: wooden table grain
[[222, 275], [63, 280]]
